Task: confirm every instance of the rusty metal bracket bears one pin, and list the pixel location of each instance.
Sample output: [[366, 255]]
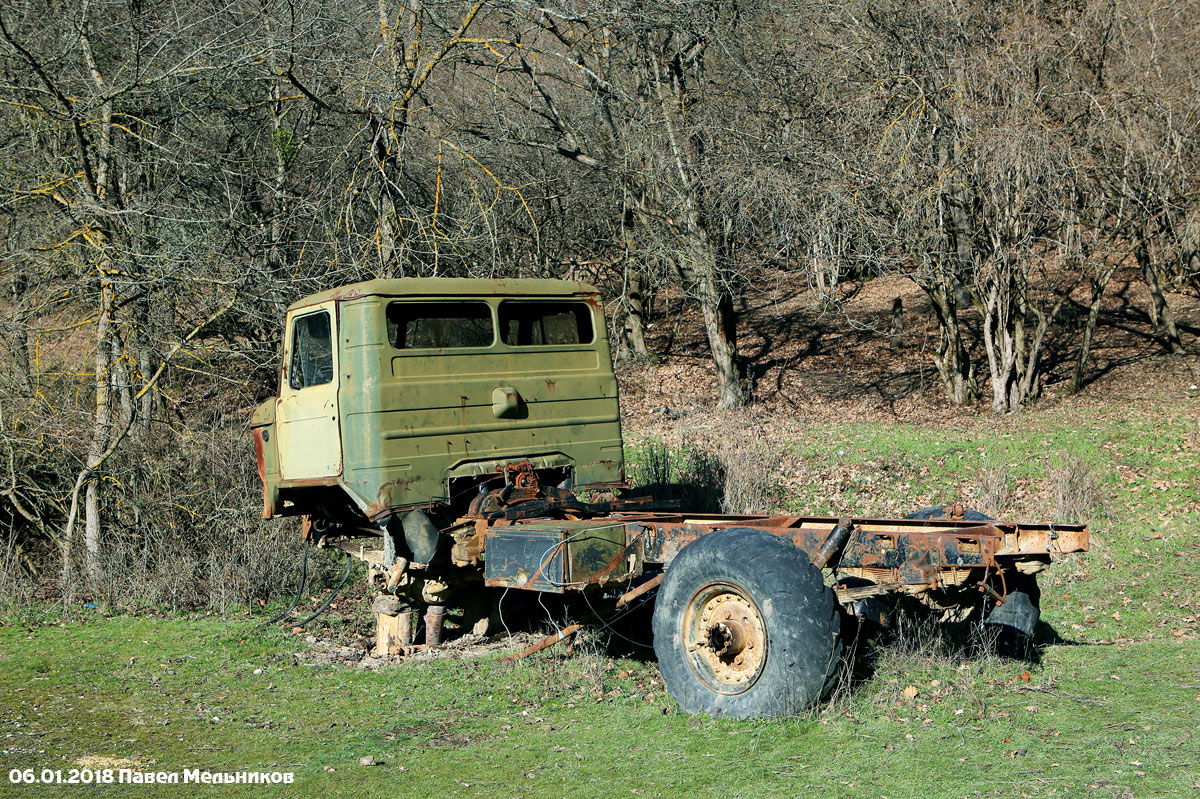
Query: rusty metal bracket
[[644, 588], [996, 596]]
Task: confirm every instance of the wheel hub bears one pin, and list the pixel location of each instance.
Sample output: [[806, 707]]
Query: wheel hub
[[725, 637]]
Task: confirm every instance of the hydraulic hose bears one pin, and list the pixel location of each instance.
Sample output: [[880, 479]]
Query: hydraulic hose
[[299, 590], [332, 594]]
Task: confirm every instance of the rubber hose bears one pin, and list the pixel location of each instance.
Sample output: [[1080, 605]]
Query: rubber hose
[[299, 590], [332, 594]]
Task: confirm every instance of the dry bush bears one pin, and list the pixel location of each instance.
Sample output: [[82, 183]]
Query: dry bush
[[692, 476], [706, 478], [751, 462], [1079, 493], [182, 528], [585, 671], [16, 587], [917, 644], [255, 568], [993, 490], [205, 545], [587, 668], [39, 453], [735, 471]]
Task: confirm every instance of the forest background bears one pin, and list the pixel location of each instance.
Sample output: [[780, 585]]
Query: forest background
[[791, 208]]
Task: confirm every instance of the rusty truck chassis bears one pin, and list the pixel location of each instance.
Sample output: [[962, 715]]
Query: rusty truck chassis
[[548, 540]]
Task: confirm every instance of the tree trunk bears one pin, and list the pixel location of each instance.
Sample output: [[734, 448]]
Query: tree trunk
[[386, 234], [1029, 386], [105, 269], [276, 206], [951, 359], [1160, 312], [999, 341], [897, 332], [101, 423], [633, 332], [699, 266], [1014, 350], [1098, 284], [826, 277], [698, 273]]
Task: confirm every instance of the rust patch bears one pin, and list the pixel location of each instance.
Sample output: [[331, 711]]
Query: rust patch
[[383, 501], [261, 458], [347, 294]]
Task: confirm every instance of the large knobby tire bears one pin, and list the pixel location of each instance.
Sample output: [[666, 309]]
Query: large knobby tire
[[745, 627]]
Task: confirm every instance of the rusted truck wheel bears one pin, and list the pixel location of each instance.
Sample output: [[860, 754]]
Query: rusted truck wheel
[[745, 627]]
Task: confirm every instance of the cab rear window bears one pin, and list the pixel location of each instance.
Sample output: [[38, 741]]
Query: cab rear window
[[526, 324], [439, 325]]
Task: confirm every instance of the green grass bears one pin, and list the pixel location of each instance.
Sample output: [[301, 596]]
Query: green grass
[[178, 694], [1113, 709]]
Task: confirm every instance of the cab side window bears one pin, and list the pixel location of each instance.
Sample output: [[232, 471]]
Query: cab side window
[[312, 351]]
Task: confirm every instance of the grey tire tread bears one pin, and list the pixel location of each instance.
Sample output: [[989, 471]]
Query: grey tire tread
[[804, 643]]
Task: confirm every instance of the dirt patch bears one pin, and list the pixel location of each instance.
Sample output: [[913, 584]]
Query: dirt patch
[[96, 762], [359, 654]]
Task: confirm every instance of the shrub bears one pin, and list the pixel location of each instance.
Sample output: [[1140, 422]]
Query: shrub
[[1079, 493]]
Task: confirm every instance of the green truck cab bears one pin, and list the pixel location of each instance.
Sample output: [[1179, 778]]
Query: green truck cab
[[415, 393]]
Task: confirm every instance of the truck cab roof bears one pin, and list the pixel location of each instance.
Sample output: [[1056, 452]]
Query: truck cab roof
[[449, 286]]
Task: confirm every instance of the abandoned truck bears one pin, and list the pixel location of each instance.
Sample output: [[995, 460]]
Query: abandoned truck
[[461, 435]]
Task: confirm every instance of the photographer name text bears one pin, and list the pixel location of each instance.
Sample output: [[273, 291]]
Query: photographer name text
[[128, 776]]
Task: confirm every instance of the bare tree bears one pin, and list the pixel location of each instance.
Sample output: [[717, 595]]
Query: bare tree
[[975, 160], [85, 92], [642, 96], [1140, 103]]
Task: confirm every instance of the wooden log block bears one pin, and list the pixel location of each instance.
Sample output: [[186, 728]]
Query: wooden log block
[[393, 633], [386, 604]]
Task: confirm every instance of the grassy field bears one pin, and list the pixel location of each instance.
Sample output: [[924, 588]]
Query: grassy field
[[1111, 708]]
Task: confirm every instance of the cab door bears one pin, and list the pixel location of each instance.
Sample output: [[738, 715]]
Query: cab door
[[306, 415]]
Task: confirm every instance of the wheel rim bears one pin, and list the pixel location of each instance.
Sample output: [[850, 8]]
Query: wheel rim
[[724, 638]]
